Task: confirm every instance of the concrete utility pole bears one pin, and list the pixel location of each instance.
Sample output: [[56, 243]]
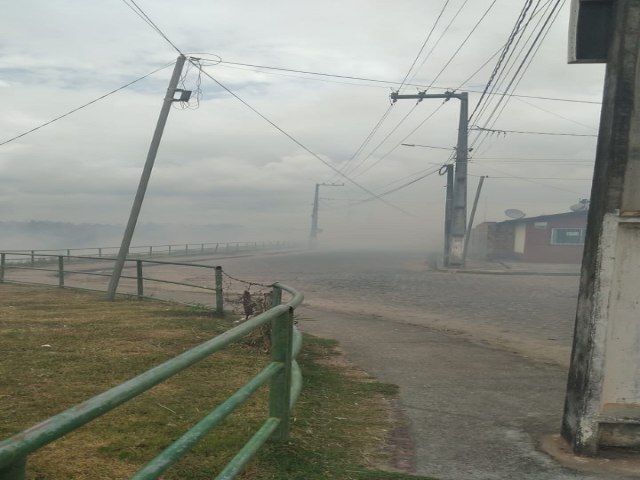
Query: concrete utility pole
[[313, 237], [602, 405], [448, 211], [146, 174], [455, 255], [472, 216]]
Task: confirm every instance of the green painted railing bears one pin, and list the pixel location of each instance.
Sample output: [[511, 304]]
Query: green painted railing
[[161, 250], [64, 266], [283, 374]]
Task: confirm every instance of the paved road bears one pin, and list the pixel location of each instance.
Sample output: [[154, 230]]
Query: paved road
[[529, 314]]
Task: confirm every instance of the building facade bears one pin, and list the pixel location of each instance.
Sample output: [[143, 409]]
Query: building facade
[[555, 238]]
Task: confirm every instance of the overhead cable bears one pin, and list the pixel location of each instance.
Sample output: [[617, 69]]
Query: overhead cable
[[424, 44], [85, 105]]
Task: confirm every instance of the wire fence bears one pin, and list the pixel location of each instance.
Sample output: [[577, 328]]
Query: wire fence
[[204, 285]]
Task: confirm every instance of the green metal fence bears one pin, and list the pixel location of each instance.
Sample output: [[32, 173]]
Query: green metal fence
[[69, 270], [174, 249], [283, 374]]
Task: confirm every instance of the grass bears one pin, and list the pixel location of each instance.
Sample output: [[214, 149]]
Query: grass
[[62, 346]]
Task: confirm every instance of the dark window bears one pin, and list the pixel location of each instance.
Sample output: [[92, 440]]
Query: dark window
[[567, 236]]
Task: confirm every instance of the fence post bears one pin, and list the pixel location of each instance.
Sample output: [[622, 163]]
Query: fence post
[[3, 260], [60, 271], [281, 351], [151, 250], [219, 293], [33, 258], [169, 249], [202, 247], [100, 252], [68, 252], [139, 278], [15, 471]]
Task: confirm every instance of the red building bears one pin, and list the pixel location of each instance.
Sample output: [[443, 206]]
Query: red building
[[545, 239]]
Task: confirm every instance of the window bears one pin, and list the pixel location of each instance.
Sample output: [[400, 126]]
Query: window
[[567, 236]]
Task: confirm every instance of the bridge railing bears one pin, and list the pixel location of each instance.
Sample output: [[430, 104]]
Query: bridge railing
[[282, 373], [173, 249]]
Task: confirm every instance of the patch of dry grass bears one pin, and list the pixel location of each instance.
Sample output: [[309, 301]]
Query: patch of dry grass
[[60, 347]]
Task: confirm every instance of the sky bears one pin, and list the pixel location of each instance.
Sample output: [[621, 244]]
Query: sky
[[221, 163]]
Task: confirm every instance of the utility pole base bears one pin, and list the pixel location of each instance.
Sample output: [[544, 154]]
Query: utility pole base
[[456, 252]]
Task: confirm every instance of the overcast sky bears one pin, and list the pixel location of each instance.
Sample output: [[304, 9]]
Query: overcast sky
[[221, 163]]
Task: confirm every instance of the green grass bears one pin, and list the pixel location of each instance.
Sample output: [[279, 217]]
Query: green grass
[[60, 347]]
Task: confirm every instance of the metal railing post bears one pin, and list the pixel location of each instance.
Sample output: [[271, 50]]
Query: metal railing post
[[100, 252], [139, 278], [276, 296], [219, 293], [202, 247], [3, 261], [60, 271], [216, 250], [15, 471], [68, 252], [151, 250], [33, 258], [186, 248], [280, 390]]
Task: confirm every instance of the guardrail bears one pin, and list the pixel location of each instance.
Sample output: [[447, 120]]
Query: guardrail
[[283, 373], [158, 250], [61, 271]]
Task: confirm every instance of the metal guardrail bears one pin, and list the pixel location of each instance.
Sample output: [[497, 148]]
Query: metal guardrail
[[157, 250], [44, 262], [285, 385]]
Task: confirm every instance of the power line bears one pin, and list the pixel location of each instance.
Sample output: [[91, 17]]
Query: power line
[[509, 64], [150, 22], [535, 178], [424, 44], [534, 181], [300, 144], [403, 186], [393, 130], [85, 105], [368, 138], [466, 39], [526, 62], [426, 146], [497, 131], [446, 29], [505, 50], [393, 82], [557, 114]]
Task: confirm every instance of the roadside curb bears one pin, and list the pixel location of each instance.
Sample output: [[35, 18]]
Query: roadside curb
[[439, 268]]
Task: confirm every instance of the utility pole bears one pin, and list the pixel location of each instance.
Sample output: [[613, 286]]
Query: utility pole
[[472, 216], [313, 237], [448, 209], [602, 403], [146, 173], [455, 254]]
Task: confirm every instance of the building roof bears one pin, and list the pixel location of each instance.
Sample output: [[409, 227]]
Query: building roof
[[546, 218]]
